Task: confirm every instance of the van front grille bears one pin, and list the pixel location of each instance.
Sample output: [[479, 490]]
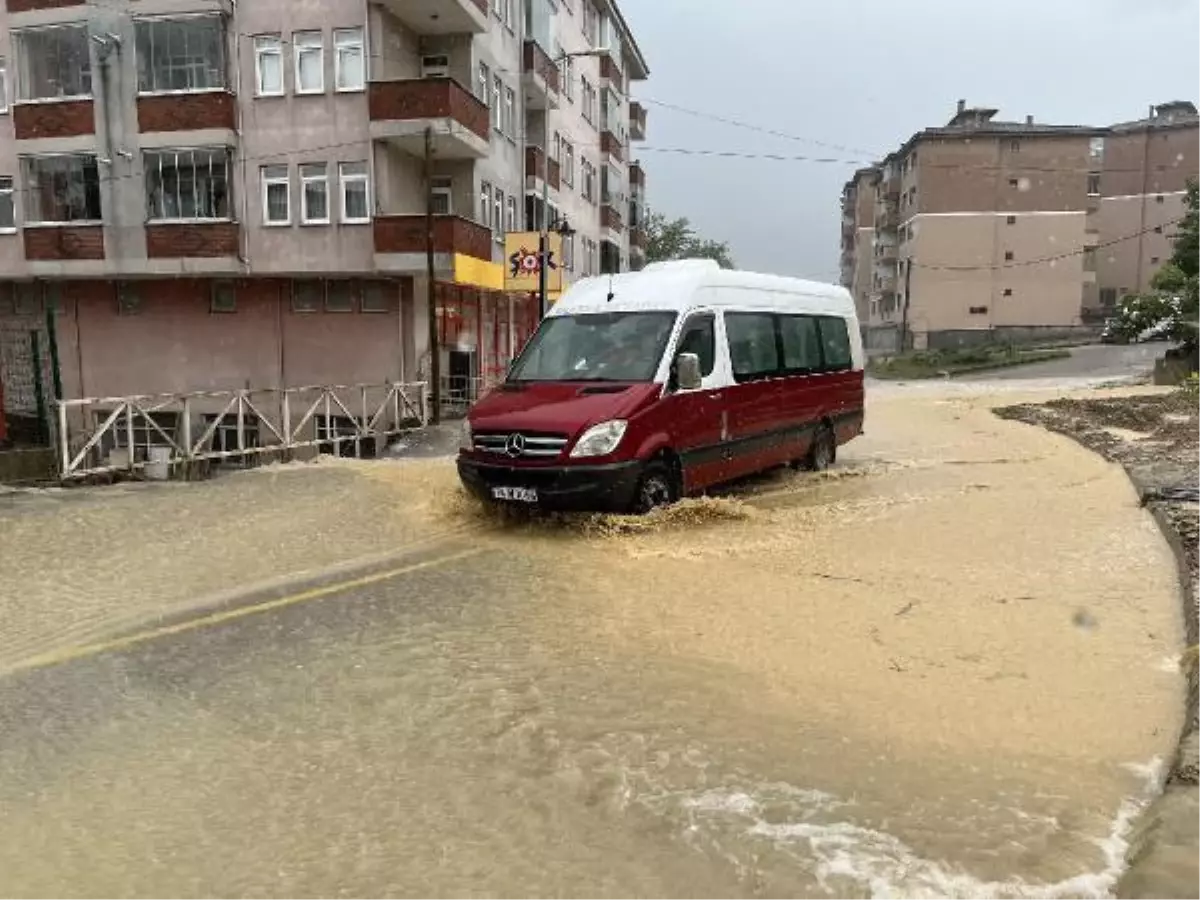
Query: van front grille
[[521, 444]]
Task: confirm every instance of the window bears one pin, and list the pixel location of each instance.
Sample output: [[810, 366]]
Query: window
[[1096, 148], [603, 346], [482, 83], [1154, 260], [53, 63], [568, 252], [441, 196], [835, 343], [497, 96], [588, 100], [349, 59], [509, 15], [61, 188], [591, 23], [268, 65], [978, 310], [180, 54], [1089, 259], [1093, 184], [1158, 198], [224, 297], [375, 298], [314, 194], [1007, 292], [567, 70], [510, 214], [752, 347], [1158, 229], [509, 122], [435, 65], [3, 86], [498, 215], [485, 204], [801, 343], [1010, 220], [309, 50], [276, 188], [187, 184], [568, 164], [699, 337], [356, 207], [8, 212], [1108, 296], [588, 188], [1008, 256], [307, 296], [340, 296], [1014, 145]]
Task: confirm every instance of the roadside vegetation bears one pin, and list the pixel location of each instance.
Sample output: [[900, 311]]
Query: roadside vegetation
[[947, 363]]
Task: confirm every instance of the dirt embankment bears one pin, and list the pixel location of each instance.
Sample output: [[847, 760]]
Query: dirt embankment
[[1155, 438]]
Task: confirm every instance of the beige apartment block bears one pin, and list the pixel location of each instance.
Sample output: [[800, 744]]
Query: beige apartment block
[[209, 195]]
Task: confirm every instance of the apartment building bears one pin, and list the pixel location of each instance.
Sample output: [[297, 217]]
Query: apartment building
[[1143, 182], [211, 195]]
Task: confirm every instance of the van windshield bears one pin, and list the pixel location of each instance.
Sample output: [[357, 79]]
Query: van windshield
[[623, 346]]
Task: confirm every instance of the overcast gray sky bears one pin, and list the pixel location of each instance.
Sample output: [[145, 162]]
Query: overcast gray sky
[[864, 75]]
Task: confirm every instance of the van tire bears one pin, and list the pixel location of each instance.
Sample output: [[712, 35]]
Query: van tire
[[823, 452], [656, 488]]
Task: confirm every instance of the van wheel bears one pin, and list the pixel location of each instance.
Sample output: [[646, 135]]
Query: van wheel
[[655, 489], [823, 452]]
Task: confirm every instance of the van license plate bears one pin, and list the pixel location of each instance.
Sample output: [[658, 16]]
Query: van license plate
[[519, 494]]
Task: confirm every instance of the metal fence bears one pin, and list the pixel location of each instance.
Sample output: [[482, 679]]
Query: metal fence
[[26, 368], [159, 433]]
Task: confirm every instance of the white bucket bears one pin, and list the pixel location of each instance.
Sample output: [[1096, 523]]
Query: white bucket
[[158, 463]]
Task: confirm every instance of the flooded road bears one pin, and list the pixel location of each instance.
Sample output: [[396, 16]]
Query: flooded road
[[945, 668]]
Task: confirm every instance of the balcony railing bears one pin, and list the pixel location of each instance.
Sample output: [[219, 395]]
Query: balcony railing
[[637, 176], [534, 161], [451, 234], [610, 218], [540, 77], [402, 110], [611, 144], [637, 121]]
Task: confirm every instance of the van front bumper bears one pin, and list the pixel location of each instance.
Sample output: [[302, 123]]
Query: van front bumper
[[596, 488]]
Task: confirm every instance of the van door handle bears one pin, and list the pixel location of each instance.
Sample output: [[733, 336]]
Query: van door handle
[[714, 396]]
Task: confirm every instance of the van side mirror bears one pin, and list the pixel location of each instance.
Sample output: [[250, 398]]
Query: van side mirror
[[687, 372]]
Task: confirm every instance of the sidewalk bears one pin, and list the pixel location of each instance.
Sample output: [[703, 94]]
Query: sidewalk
[[77, 564]]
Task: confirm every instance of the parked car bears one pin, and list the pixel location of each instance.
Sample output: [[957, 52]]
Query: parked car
[[641, 388]]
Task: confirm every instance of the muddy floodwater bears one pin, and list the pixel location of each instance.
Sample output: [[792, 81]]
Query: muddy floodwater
[[945, 668]]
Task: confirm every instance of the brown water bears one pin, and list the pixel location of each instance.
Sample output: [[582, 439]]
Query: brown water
[[943, 669]]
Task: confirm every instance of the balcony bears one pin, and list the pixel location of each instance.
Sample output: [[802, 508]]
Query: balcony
[[887, 218], [20, 6], [611, 144], [440, 16], [401, 111], [53, 119], [637, 240], [401, 238], [610, 73], [187, 112], [637, 176], [540, 77], [637, 121], [534, 162], [53, 243], [610, 218], [207, 240]]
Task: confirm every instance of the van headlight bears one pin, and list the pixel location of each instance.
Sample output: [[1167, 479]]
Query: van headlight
[[466, 439], [600, 440]]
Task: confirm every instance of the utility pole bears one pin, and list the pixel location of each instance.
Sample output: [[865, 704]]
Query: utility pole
[[544, 231], [904, 313], [435, 354]]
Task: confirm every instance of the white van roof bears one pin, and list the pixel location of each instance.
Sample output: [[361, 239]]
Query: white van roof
[[676, 286]]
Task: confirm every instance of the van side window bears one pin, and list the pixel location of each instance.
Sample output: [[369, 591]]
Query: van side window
[[699, 337], [752, 347], [835, 343], [801, 343]]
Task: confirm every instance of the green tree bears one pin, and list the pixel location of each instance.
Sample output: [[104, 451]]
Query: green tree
[[676, 239]]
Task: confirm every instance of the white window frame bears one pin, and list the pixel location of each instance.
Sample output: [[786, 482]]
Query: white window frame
[[3, 86], [498, 215], [222, 64], [304, 42], [29, 181], [344, 181], [353, 38], [7, 191], [442, 186], [510, 113], [485, 196], [483, 84], [180, 152], [263, 48], [497, 103], [268, 181], [312, 178], [568, 164], [510, 213], [18, 38]]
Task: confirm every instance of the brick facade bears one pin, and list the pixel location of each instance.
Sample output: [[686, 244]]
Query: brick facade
[[611, 144], [192, 239], [64, 242], [187, 112], [66, 118], [610, 218], [535, 61], [451, 234], [428, 98]]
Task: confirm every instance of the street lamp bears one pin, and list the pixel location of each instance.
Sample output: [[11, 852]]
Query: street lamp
[[544, 228]]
